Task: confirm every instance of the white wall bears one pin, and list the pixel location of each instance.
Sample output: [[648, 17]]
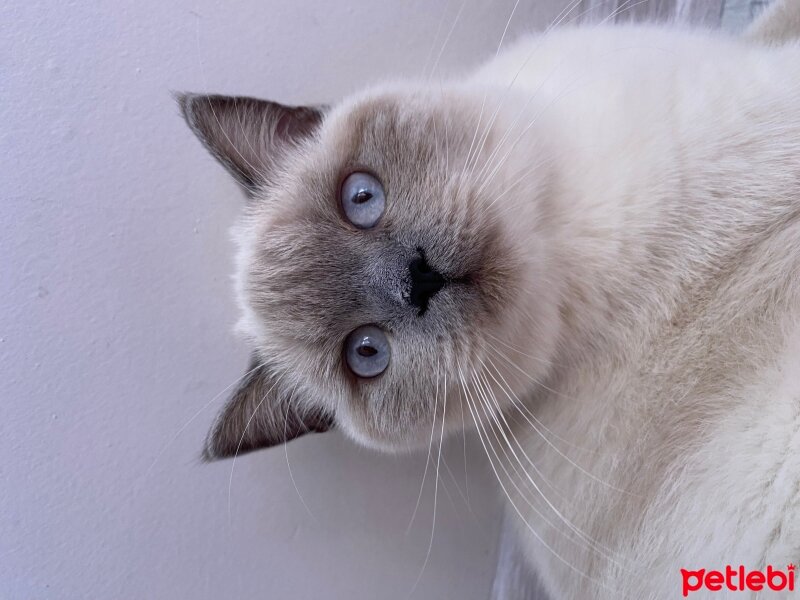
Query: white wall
[[116, 310]]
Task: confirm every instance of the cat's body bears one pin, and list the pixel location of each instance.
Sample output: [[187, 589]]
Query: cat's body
[[679, 372], [590, 246]]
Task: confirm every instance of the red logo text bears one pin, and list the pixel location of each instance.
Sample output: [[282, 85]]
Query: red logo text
[[738, 579]]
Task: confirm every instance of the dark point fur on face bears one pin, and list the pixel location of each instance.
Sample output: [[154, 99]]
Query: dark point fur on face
[[441, 268]]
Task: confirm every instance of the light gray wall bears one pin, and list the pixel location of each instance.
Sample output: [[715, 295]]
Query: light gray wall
[[115, 314]]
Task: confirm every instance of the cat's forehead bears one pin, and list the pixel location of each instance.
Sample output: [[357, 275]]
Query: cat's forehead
[[387, 115], [381, 132], [396, 129]]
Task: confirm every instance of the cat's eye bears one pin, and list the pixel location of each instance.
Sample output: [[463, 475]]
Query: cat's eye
[[362, 199], [367, 351]]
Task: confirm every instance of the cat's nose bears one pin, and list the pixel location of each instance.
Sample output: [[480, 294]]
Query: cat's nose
[[425, 282]]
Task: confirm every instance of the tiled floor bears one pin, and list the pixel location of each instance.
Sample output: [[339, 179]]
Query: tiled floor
[[512, 579]]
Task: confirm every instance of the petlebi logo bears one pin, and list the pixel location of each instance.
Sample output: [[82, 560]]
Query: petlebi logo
[[738, 579]]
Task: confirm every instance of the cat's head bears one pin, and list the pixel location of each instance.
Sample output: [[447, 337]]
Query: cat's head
[[393, 263]]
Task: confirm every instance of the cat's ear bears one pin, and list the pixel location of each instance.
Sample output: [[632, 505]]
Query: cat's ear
[[260, 413], [247, 135]]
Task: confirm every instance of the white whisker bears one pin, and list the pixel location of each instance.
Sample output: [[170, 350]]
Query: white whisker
[[430, 447], [193, 417], [511, 502], [498, 415], [525, 411], [241, 440], [435, 490], [288, 464], [447, 39]]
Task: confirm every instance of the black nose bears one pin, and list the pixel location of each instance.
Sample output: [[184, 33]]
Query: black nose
[[425, 282]]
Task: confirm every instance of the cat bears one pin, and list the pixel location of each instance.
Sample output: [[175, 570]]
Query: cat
[[589, 246]]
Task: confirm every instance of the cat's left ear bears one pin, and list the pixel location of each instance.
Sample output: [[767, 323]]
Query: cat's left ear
[[261, 413], [247, 135]]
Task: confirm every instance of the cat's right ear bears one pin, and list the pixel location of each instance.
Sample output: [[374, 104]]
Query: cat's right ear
[[261, 413], [246, 135]]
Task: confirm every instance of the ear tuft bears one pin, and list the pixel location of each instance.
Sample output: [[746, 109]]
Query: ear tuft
[[247, 136], [261, 414]]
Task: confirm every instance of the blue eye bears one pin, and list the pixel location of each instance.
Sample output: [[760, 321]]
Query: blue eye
[[367, 351], [363, 200]]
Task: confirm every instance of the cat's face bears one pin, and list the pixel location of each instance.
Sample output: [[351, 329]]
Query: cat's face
[[392, 267]]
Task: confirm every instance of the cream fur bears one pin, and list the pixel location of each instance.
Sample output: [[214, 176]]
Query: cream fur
[[680, 249]]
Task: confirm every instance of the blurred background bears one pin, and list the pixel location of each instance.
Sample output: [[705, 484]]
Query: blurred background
[[116, 309]]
